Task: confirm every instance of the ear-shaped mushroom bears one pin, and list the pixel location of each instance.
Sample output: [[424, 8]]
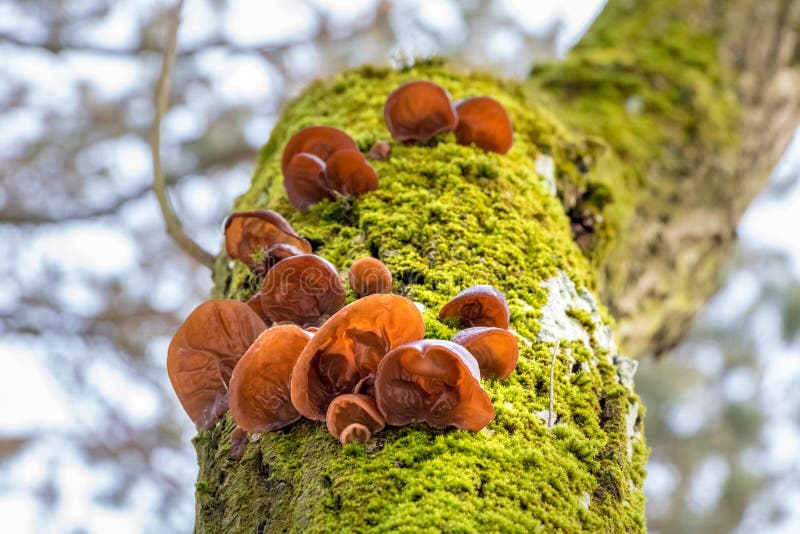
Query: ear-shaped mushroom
[[483, 120], [380, 151], [434, 381], [417, 111], [348, 347], [303, 290], [248, 232], [353, 418], [204, 351], [368, 276], [304, 181], [254, 303], [480, 305], [495, 349], [319, 141], [259, 395], [347, 172]]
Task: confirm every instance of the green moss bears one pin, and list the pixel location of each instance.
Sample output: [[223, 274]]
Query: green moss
[[584, 317], [444, 217]]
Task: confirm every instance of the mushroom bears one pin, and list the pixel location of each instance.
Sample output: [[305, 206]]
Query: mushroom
[[368, 276], [483, 120], [380, 151], [347, 172], [239, 440], [480, 305], [204, 351], [417, 111], [353, 418], [247, 232], [434, 381], [303, 289], [259, 395], [304, 181], [254, 303], [495, 349], [319, 141], [348, 347]]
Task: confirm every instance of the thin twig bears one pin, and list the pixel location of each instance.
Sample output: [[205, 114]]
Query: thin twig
[[174, 227], [550, 412]]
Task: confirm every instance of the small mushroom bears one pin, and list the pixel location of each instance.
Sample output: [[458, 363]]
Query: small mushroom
[[368, 276], [304, 181], [259, 389], [348, 347], [353, 418], [203, 353], [480, 305], [495, 349], [380, 151], [348, 173], [366, 386], [247, 232], [319, 141], [417, 111], [239, 440], [434, 381], [303, 290], [483, 120]]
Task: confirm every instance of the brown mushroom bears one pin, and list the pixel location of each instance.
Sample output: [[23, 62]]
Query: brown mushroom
[[368, 276], [434, 381], [495, 349], [303, 290], [480, 305], [304, 181], [247, 232], [254, 303], [366, 386], [204, 351], [347, 172], [483, 120], [259, 395], [380, 151], [239, 440], [348, 347], [273, 255], [417, 111], [353, 418], [319, 141]]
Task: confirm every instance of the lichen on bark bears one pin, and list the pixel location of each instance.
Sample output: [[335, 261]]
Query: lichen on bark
[[444, 217]]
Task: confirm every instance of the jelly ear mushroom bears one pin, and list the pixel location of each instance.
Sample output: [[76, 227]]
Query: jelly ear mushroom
[[304, 181], [495, 349], [347, 172], [203, 353], [483, 120], [353, 418], [348, 347], [248, 232], [319, 141], [417, 111], [436, 382], [259, 395], [368, 276], [480, 305], [303, 289]]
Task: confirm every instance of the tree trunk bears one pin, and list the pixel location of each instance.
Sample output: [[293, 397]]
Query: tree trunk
[[640, 208]]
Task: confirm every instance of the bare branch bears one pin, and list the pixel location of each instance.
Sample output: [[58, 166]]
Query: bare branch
[[174, 227]]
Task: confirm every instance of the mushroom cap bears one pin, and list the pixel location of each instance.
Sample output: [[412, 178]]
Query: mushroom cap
[[484, 121], [419, 110], [368, 276], [203, 353], [480, 305], [352, 409], [254, 303], [258, 394], [434, 381], [495, 349], [347, 172], [247, 232], [302, 289], [304, 181], [380, 151], [239, 440], [320, 141], [348, 347]]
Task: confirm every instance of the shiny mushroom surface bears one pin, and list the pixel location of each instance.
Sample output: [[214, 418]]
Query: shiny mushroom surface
[[353, 418], [419, 110], [319, 141], [248, 232], [369, 276], [484, 121], [495, 349], [481, 305], [304, 181], [348, 173]]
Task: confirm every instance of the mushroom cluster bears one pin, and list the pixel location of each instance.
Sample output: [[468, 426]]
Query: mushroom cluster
[[357, 367], [418, 110]]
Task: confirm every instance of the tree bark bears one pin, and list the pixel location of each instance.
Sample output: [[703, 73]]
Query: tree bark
[[633, 158]]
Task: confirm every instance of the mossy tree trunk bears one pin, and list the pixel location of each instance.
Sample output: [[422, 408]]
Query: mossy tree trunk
[[633, 159]]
